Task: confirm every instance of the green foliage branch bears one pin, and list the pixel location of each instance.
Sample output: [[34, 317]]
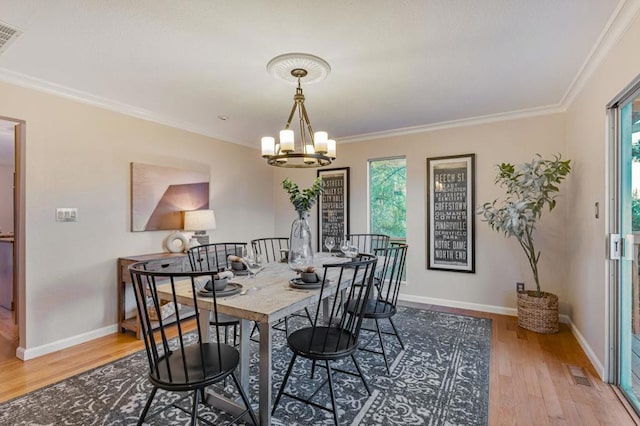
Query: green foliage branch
[[529, 187], [303, 200]]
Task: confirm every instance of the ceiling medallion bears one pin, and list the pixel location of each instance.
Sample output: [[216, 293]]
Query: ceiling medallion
[[312, 149]]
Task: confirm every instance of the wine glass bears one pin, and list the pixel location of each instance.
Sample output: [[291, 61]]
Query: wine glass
[[254, 264], [344, 247], [330, 243]]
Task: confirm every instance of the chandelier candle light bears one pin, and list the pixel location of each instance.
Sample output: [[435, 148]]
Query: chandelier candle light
[[313, 149]]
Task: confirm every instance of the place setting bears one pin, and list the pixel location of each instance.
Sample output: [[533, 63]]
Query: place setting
[[308, 279], [221, 285], [238, 266]]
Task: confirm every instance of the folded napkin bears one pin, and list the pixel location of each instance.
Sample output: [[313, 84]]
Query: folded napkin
[[166, 310], [225, 274], [200, 282]]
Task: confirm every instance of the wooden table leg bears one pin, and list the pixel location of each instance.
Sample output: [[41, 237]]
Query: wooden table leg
[[265, 374], [203, 319], [236, 406], [245, 331]]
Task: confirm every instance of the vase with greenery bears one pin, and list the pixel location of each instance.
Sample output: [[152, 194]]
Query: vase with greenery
[[530, 188], [300, 246]]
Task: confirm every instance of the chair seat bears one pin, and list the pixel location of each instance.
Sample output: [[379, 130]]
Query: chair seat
[[225, 320], [376, 309], [328, 343], [195, 375]]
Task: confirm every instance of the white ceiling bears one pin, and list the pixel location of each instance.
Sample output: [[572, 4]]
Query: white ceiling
[[395, 64]]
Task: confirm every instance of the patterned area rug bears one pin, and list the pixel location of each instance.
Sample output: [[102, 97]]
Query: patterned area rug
[[441, 378]]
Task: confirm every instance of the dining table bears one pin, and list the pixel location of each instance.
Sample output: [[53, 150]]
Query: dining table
[[265, 298]]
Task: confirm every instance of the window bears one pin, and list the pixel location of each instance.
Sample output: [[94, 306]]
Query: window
[[388, 197]]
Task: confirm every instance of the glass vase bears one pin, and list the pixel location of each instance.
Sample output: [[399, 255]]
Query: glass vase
[[300, 248]]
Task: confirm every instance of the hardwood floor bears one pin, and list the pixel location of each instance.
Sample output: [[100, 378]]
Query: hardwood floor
[[531, 381], [8, 334]]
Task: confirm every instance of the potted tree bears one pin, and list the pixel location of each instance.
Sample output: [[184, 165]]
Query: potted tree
[[529, 189]]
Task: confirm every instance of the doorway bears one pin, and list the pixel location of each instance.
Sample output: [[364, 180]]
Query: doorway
[[11, 134], [624, 115]]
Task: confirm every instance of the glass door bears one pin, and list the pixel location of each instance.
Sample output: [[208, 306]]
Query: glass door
[[627, 248]]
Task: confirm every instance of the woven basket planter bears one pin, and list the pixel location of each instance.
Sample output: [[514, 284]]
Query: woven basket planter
[[539, 314]]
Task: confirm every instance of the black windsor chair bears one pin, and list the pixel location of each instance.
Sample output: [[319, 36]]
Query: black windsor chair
[[367, 243], [271, 250], [382, 304], [186, 363], [334, 337], [215, 257]]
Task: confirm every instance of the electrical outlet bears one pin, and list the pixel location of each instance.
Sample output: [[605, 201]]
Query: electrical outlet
[[520, 287], [67, 214]]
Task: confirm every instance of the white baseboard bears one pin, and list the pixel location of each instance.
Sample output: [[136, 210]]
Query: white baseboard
[[565, 319], [30, 353], [458, 304], [599, 367]]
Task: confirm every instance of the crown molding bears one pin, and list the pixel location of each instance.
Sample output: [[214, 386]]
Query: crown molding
[[472, 121], [619, 22], [621, 19], [34, 83]]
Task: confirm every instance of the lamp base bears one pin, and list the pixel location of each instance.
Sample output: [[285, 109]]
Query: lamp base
[[202, 237]]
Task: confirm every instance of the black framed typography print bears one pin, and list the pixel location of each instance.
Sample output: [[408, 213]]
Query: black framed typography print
[[333, 206], [451, 213]]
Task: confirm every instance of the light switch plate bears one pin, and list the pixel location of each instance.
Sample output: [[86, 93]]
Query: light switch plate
[[66, 214]]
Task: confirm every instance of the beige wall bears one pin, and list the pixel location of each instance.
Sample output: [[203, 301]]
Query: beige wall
[[79, 156], [500, 263], [6, 199], [588, 144]]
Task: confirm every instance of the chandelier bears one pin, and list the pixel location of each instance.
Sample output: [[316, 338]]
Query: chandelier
[[313, 149]]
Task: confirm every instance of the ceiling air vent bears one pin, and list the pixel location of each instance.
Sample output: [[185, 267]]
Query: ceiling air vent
[[7, 36]]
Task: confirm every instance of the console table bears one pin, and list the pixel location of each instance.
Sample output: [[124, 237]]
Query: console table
[[168, 262]]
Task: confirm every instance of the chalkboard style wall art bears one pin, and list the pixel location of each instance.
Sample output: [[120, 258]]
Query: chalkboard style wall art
[[333, 206], [451, 218]]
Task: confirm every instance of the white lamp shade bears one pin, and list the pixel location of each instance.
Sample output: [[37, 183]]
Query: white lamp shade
[[268, 146], [320, 140], [331, 148], [286, 140], [199, 220]]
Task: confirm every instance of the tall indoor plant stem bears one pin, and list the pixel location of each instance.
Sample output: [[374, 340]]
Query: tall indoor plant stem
[[533, 257]]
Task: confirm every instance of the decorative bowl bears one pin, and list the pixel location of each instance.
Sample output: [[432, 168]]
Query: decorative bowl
[[309, 277], [238, 266], [221, 284]]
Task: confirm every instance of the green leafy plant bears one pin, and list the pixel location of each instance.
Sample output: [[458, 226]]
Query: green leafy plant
[[529, 188], [303, 200]]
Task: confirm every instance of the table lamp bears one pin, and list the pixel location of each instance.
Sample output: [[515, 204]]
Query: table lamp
[[199, 221]]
